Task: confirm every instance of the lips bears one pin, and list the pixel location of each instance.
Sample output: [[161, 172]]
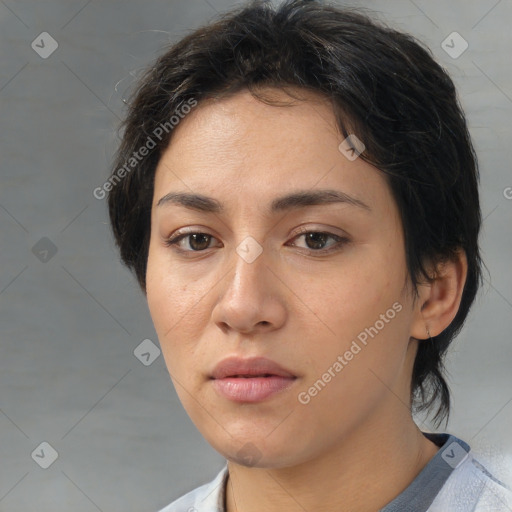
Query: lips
[[250, 380], [253, 367]]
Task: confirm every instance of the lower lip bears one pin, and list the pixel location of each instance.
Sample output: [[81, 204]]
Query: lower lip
[[253, 389]]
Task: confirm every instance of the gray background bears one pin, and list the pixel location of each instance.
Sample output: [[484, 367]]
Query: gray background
[[70, 322]]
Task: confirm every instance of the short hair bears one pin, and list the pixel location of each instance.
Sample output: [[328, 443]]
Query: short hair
[[385, 87]]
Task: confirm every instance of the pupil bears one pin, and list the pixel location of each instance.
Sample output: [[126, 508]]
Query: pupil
[[195, 238], [318, 239]]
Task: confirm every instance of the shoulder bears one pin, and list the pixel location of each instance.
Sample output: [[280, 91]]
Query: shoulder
[[207, 498], [472, 487]]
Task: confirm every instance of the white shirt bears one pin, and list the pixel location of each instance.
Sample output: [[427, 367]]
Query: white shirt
[[452, 481]]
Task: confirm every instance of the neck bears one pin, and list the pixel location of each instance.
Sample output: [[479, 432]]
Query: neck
[[363, 472]]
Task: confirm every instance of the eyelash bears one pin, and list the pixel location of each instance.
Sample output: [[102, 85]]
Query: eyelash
[[340, 241]]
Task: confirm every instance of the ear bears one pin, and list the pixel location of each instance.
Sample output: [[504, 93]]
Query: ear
[[439, 299]]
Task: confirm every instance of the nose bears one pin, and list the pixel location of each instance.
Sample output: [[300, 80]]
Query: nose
[[251, 299]]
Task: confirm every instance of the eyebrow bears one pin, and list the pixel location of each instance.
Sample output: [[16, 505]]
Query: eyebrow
[[295, 200]]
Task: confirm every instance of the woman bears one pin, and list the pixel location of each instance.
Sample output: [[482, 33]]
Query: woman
[[296, 192]]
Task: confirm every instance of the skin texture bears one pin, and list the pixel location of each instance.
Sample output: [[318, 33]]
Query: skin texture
[[353, 446]]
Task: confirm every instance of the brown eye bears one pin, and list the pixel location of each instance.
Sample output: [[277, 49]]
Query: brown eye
[[196, 242], [316, 240], [199, 241]]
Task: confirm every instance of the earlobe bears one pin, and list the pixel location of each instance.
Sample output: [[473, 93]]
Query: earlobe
[[439, 299]]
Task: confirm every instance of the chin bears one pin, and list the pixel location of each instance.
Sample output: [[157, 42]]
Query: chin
[[259, 451]]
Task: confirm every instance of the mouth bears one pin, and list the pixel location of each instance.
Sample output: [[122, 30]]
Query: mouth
[[250, 380], [251, 388], [252, 376]]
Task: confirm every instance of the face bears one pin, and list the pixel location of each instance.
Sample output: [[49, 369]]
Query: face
[[315, 283]]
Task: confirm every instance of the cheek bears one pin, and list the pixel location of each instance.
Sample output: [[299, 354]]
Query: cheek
[[178, 305], [166, 302], [169, 296], [349, 304], [359, 293]]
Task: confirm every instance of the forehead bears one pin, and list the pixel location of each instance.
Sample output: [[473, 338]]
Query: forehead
[[244, 123], [242, 147]]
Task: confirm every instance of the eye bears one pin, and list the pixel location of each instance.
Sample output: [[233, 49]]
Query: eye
[[196, 241], [316, 241]]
